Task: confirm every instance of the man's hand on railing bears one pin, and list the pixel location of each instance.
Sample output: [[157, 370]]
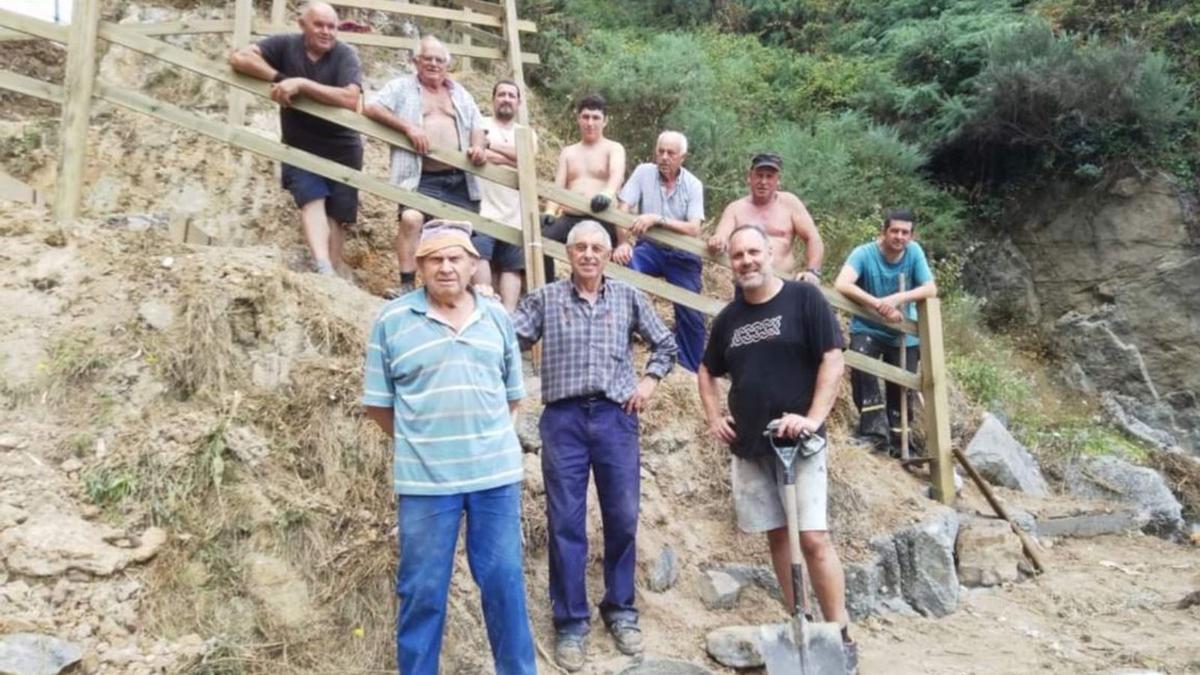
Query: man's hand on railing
[[623, 254], [477, 154], [888, 311], [717, 244], [283, 91], [642, 223]]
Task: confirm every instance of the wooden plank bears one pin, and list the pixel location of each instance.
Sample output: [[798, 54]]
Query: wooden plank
[[185, 27], [937, 401], [481, 34], [426, 12], [394, 42], [76, 109], [513, 37], [47, 91], [243, 18], [489, 8], [278, 12], [466, 42], [13, 190], [531, 229]]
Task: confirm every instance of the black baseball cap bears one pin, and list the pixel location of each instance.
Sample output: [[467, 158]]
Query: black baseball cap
[[768, 159]]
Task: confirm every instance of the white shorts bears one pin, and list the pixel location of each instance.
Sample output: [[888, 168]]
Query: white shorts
[[759, 493]]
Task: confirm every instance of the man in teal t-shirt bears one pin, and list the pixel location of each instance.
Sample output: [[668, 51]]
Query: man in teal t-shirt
[[871, 277]]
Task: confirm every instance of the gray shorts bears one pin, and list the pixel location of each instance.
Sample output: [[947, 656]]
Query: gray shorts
[[758, 493]]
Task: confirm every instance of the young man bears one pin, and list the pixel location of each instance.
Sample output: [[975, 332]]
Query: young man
[[443, 379], [594, 168], [500, 203], [871, 277], [781, 214], [780, 345], [590, 426], [434, 111], [315, 65]]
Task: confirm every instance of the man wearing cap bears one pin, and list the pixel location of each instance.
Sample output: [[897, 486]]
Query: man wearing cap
[[593, 168], [313, 65], [781, 214], [443, 378], [668, 197], [590, 426], [434, 112]]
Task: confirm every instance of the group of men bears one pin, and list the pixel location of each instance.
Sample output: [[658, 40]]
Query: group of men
[[443, 371]]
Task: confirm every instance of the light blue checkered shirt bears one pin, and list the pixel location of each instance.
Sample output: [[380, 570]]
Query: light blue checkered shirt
[[449, 393]]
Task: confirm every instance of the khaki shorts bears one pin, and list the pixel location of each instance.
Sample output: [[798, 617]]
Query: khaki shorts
[[758, 493]]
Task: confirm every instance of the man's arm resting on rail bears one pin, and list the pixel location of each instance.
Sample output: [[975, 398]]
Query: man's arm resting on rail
[[846, 284], [249, 60]]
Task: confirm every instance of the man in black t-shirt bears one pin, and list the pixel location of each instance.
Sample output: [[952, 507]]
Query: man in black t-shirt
[[315, 65], [781, 347]]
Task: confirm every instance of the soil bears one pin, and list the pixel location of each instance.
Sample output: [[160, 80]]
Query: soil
[[229, 419]]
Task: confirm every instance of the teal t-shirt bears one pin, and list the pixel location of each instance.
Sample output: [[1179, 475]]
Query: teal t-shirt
[[880, 278]]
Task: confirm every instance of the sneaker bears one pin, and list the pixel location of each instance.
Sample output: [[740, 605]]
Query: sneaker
[[570, 651], [627, 635], [851, 651]]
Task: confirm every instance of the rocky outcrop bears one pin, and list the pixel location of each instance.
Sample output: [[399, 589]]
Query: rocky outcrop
[[49, 544], [1002, 460], [913, 571], [1112, 272]]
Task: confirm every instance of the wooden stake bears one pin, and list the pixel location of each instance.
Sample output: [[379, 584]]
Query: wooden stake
[[1026, 543], [80, 81], [937, 402], [512, 33], [278, 16], [243, 18], [531, 230], [903, 391]]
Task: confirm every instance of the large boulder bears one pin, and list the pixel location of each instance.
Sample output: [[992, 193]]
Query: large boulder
[[33, 654], [1002, 460], [989, 553], [49, 544], [735, 646], [1114, 479], [928, 577]]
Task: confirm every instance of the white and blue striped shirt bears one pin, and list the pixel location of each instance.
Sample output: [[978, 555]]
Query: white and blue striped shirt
[[450, 394]]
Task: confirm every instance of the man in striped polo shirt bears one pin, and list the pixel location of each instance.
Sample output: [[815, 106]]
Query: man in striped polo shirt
[[590, 426], [443, 376]]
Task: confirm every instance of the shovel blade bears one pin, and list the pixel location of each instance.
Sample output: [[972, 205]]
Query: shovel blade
[[796, 648]]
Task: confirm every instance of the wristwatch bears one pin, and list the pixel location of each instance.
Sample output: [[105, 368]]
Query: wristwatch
[[279, 77], [815, 271]]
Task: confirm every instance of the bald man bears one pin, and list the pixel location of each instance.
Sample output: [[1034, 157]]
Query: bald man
[[433, 111], [315, 65]]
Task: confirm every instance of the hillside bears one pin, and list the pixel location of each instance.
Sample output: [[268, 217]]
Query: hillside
[[187, 483]]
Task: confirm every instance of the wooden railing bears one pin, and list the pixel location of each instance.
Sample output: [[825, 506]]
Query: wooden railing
[[81, 87]]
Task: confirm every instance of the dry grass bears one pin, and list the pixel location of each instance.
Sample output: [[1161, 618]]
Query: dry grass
[[1182, 473]]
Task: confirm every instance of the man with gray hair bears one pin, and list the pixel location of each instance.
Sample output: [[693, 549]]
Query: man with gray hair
[[313, 65], [590, 426], [433, 111], [667, 196]]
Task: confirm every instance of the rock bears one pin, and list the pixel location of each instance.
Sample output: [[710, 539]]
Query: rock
[[998, 271], [665, 667], [528, 434], [11, 442], [1117, 480], [862, 589], [1115, 521], [11, 515], [989, 554], [925, 553], [279, 589], [665, 572], [719, 590], [755, 575], [247, 444], [71, 465], [735, 646], [1002, 460], [50, 544], [33, 654], [156, 314]]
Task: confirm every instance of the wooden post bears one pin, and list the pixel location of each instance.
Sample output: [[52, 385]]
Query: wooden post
[[243, 17], [903, 389], [278, 15], [512, 33], [80, 81], [531, 231], [467, 42], [937, 402]]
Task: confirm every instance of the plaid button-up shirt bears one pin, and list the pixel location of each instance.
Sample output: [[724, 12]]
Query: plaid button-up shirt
[[586, 347]]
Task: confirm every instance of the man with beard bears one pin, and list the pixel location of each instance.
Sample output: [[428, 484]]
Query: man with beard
[[501, 203], [781, 346], [313, 65]]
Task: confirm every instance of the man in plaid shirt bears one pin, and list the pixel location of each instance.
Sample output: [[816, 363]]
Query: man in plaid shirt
[[590, 423]]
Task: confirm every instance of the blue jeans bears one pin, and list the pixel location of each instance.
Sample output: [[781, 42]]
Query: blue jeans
[[428, 535], [581, 436], [681, 269]]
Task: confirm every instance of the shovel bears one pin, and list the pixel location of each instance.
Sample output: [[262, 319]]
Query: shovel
[[800, 646]]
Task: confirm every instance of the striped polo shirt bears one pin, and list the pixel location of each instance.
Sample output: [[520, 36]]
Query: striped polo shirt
[[449, 393]]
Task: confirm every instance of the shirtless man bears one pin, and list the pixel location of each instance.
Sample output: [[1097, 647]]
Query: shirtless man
[[781, 214], [594, 167], [434, 112]]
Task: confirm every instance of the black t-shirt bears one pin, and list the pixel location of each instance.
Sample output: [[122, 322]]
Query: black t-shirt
[[339, 67], [771, 353]]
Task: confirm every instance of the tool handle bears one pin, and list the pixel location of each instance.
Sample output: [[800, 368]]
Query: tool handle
[[1026, 543], [799, 595]]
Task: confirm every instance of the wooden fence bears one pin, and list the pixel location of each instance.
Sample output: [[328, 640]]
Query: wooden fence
[[81, 87]]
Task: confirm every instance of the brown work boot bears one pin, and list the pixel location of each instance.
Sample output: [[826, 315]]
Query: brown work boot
[[570, 651], [627, 635]]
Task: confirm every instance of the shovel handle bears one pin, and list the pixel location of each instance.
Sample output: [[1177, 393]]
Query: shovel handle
[[799, 596]]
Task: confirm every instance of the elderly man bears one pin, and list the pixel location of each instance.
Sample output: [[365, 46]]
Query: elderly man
[[667, 196], [871, 277], [315, 65], [498, 202], [590, 425], [433, 111], [443, 379], [781, 346], [593, 168], [781, 214]]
